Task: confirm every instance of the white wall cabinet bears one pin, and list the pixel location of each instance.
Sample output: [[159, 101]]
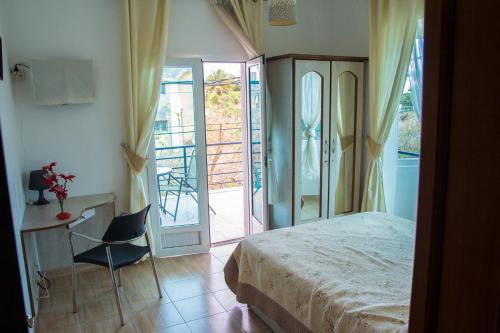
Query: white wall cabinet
[[316, 107]]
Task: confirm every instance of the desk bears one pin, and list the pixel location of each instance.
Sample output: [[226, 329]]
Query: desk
[[43, 217]]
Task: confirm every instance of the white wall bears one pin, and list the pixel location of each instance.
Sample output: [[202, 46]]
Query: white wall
[[195, 31], [83, 139], [400, 179], [11, 137], [331, 27], [334, 27]]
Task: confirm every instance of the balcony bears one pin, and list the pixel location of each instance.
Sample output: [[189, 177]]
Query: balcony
[[225, 181]]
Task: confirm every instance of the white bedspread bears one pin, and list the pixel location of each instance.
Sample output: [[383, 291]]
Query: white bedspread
[[348, 274]]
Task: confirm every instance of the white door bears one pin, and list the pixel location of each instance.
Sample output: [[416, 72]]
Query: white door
[[257, 148], [312, 140], [177, 171]]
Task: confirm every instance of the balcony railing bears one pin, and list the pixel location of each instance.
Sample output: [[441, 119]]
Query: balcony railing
[[407, 154], [224, 158], [225, 173]]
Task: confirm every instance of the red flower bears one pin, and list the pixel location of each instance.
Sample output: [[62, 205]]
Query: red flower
[[50, 179], [55, 183], [50, 166], [60, 192], [69, 177]]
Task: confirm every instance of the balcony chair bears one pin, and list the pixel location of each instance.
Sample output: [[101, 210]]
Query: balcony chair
[[116, 251], [178, 183]]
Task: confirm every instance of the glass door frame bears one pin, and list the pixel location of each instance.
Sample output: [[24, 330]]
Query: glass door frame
[[201, 166], [255, 225]]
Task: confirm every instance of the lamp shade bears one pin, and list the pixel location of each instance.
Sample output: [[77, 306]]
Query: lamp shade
[[282, 12], [36, 180]]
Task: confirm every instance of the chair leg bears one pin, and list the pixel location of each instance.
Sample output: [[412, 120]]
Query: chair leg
[[115, 287], [73, 284], [119, 275], [178, 199], [73, 272], [154, 267]]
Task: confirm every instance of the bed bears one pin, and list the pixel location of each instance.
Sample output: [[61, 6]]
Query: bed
[[347, 274]]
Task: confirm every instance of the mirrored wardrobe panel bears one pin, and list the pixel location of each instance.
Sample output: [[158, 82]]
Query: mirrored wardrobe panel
[[311, 146], [346, 137], [310, 120]]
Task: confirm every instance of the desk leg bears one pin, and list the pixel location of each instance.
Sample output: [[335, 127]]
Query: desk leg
[[27, 271]]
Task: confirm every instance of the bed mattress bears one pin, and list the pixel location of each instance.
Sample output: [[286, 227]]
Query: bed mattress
[[347, 274]]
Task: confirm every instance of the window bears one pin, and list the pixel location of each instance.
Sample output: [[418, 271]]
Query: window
[[408, 126], [410, 107], [161, 126]]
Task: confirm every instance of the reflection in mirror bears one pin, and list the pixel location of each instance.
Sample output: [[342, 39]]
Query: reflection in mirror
[[346, 124], [256, 149], [310, 113]]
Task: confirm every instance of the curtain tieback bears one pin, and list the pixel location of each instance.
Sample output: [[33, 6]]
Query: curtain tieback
[[310, 132], [346, 142], [374, 147], [136, 161]]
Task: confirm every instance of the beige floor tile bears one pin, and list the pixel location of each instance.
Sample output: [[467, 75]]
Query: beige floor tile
[[57, 317], [215, 282], [140, 299], [227, 299], [110, 325], [223, 259], [248, 320], [198, 307], [183, 289], [156, 317], [182, 328], [219, 323], [224, 250]]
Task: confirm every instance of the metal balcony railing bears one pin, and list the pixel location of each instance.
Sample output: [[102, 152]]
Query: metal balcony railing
[[407, 154], [224, 159]]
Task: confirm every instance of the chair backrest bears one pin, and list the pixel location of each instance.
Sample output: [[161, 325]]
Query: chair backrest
[[191, 177], [127, 227]]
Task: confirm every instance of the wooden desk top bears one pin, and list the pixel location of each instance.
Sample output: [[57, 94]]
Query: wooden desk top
[[44, 216]]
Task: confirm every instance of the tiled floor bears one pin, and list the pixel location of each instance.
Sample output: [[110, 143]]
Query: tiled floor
[[195, 299], [227, 223]]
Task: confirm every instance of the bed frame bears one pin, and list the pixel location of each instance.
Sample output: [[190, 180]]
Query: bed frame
[[269, 322]]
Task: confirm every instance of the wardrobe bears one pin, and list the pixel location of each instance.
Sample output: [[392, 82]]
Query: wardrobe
[[315, 105]]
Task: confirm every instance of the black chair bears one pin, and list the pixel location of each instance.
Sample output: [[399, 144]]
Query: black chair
[[116, 251]]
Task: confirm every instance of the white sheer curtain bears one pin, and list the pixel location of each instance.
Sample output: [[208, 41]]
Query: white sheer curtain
[[311, 116], [415, 69]]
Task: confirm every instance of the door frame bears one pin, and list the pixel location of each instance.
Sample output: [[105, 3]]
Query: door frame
[[13, 307], [455, 281], [201, 163]]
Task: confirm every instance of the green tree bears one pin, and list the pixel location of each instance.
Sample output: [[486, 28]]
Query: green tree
[[223, 125]]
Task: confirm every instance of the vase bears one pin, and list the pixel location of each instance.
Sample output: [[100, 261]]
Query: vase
[[63, 215]]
